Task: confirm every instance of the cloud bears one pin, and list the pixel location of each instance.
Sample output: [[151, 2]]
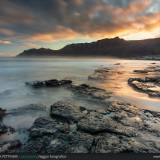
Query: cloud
[[4, 42], [60, 33], [50, 20]]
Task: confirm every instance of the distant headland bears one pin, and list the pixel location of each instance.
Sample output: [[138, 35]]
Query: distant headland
[[115, 47]]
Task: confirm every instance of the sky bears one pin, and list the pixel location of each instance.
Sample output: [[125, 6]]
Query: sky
[[53, 24]]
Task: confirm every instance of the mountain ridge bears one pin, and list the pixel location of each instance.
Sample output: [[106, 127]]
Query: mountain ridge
[[115, 47]]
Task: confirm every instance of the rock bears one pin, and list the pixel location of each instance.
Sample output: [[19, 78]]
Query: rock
[[83, 89], [140, 71], [93, 92], [67, 111], [99, 74], [148, 85], [150, 69], [103, 74], [9, 146], [120, 127], [110, 143], [46, 126], [117, 64], [3, 127], [97, 123], [49, 83], [2, 112], [53, 136]]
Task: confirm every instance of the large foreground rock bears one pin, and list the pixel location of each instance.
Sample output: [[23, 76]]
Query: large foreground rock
[[74, 129]]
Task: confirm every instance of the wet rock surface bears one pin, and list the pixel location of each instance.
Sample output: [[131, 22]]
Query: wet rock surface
[[118, 128], [99, 74], [3, 127], [150, 69], [2, 113], [148, 85], [83, 89], [103, 73], [87, 90], [9, 146], [49, 83]]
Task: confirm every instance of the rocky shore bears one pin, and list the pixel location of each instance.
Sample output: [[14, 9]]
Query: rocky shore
[[7, 146], [119, 127], [72, 128], [149, 84]]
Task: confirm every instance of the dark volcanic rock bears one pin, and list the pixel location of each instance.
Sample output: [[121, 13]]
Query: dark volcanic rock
[[82, 89], [140, 71], [105, 73], [150, 69], [10, 146], [67, 111], [148, 85], [99, 74], [2, 113], [53, 136], [118, 128], [49, 83], [4, 128], [93, 92]]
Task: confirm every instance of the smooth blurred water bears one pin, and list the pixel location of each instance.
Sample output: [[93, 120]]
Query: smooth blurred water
[[14, 72]]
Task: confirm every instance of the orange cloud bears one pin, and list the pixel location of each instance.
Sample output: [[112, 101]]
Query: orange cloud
[[61, 33], [4, 42]]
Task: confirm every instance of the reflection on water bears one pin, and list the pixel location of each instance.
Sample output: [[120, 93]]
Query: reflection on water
[[14, 72], [117, 82]]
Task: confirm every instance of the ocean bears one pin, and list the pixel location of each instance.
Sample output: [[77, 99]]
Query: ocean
[[14, 72]]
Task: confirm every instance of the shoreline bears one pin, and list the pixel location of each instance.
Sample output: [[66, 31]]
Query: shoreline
[[118, 120]]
